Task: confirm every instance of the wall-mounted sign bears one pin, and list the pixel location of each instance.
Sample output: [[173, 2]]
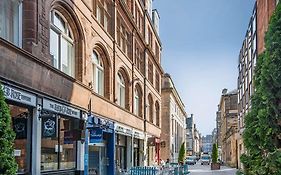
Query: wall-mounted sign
[[49, 127], [138, 134], [96, 135], [17, 95], [120, 129], [60, 108]]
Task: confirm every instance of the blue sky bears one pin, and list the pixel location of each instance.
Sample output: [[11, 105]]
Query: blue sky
[[201, 40]]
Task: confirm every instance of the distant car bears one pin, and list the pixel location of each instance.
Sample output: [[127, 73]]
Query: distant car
[[190, 160], [205, 160]]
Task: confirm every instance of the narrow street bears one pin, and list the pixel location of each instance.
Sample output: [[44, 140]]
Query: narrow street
[[199, 169]]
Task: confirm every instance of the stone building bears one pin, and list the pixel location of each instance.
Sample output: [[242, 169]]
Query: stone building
[[189, 135], [173, 120], [252, 46], [83, 81], [228, 127]]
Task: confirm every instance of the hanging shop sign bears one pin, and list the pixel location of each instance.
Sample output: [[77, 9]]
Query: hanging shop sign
[[20, 96], [49, 127], [20, 127], [60, 108], [96, 135]]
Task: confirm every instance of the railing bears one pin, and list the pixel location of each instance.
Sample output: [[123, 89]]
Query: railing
[[170, 169]]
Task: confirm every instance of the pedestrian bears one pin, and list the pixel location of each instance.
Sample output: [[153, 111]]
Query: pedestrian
[[167, 161]]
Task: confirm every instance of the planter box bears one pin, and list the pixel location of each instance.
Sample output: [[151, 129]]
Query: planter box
[[215, 166]]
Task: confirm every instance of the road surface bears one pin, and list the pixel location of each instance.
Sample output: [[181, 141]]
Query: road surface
[[199, 169]]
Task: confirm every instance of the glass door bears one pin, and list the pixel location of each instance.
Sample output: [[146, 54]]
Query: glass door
[[98, 161]]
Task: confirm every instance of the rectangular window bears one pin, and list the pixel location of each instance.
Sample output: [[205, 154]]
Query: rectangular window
[[67, 57], [10, 21], [99, 14], [54, 48]]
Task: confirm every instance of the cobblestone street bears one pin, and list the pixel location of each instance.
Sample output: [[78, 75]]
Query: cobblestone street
[[199, 169]]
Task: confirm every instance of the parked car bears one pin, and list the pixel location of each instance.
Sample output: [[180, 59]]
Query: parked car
[[190, 160], [205, 160]]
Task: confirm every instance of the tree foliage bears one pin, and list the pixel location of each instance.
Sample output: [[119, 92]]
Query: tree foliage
[[181, 153], [262, 134], [8, 165], [215, 153]]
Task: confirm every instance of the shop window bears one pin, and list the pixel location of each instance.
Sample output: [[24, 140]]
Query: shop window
[[121, 90], [10, 21], [58, 143], [98, 74], [21, 124], [62, 44]]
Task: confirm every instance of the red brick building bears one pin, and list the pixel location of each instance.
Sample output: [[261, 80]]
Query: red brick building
[[66, 65]]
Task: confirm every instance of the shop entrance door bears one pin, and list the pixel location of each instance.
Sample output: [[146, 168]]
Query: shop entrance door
[[98, 160]]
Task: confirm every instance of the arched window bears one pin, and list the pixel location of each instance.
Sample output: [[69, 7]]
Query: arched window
[[121, 90], [150, 108], [98, 74], [157, 112], [61, 44]]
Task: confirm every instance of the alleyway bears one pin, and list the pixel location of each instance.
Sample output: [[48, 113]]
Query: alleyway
[[199, 169]]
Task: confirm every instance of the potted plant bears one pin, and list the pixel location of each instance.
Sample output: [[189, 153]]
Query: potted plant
[[215, 165]]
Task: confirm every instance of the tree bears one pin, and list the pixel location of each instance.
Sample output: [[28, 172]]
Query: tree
[[215, 153], [181, 154], [8, 165], [262, 134]]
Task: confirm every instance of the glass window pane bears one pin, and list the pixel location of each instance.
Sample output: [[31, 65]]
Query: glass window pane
[[9, 21], [59, 23], [67, 57], [21, 126], [49, 144], [54, 48], [100, 82], [68, 144]]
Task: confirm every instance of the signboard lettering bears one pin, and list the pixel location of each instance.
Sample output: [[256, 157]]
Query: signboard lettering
[[96, 135], [60, 108], [14, 94]]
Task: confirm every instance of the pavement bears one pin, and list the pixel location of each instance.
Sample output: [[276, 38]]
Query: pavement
[[199, 169]]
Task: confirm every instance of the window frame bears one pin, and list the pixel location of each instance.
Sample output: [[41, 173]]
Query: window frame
[[121, 87], [63, 35], [98, 67], [18, 37]]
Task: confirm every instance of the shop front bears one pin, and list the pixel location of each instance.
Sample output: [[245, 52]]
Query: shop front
[[61, 127], [21, 104], [153, 151], [138, 148], [99, 147], [123, 148]]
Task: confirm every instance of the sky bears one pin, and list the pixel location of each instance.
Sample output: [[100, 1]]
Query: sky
[[201, 40]]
